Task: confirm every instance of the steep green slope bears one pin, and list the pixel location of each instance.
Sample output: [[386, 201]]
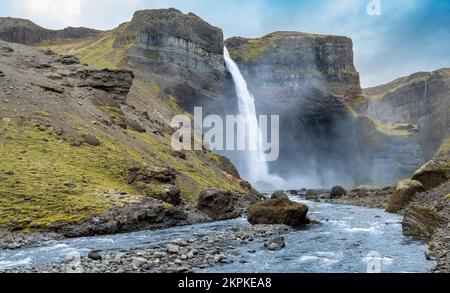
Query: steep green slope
[[69, 140]]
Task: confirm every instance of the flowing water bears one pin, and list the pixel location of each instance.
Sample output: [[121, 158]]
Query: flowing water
[[344, 242], [256, 168]]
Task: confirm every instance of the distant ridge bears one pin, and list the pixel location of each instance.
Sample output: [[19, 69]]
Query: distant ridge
[[23, 31]]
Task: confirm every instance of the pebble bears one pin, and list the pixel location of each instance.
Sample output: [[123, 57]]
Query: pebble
[[139, 261], [173, 249]]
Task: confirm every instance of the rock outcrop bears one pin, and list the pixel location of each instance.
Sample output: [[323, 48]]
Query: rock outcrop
[[406, 189], [278, 211], [437, 170], [420, 221], [182, 53], [218, 204]]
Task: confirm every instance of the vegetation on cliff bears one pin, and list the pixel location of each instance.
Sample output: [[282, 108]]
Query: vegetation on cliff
[[68, 141]]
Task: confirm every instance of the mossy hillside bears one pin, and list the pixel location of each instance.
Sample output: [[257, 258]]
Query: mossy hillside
[[153, 91], [393, 129], [194, 173], [37, 164], [378, 93], [98, 52], [114, 113]]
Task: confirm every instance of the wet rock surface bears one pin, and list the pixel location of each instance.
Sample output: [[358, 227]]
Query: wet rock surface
[[278, 211]]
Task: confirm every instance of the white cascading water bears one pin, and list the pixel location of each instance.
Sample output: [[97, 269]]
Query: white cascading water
[[255, 164]]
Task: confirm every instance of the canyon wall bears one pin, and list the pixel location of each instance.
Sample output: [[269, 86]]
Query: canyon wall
[[311, 82]]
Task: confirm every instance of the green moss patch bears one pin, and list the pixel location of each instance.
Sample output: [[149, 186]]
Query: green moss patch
[[37, 168], [99, 52], [193, 174]]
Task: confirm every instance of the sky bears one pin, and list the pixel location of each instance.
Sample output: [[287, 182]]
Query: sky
[[392, 38]]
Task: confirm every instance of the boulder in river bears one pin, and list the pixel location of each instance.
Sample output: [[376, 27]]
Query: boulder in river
[[406, 189], [279, 194], [278, 211], [218, 204], [337, 192], [95, 255], [420, 221], [275, 244], [311, 195]]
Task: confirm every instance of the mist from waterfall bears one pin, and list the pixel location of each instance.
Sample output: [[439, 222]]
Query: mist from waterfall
[[256, 169]]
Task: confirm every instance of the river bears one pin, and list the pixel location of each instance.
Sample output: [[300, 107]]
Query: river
[[348, 239]]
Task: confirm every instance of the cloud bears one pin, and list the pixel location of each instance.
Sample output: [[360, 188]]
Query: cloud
[[56, 14]]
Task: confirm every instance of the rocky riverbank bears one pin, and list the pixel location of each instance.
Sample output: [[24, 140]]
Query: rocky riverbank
[[179, 256]]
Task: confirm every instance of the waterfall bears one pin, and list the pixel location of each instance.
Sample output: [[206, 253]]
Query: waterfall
[[256, 168]]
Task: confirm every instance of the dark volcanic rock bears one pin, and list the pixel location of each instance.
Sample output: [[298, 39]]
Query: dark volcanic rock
[[149, 24], [419, 99], [337, 192], [116, 82], [95, 255], [91, 140], [159, 183], [218, 204], [146, 214], [172, 195], [69, 60], [278, 211], [275, 244]]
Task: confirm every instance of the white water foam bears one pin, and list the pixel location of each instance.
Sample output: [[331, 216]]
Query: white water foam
[[256, 168]]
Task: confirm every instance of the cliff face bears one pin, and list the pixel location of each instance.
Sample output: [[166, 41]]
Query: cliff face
[[182, 53], [291, 61], [26, 32], [309, 80], [422, 99]]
